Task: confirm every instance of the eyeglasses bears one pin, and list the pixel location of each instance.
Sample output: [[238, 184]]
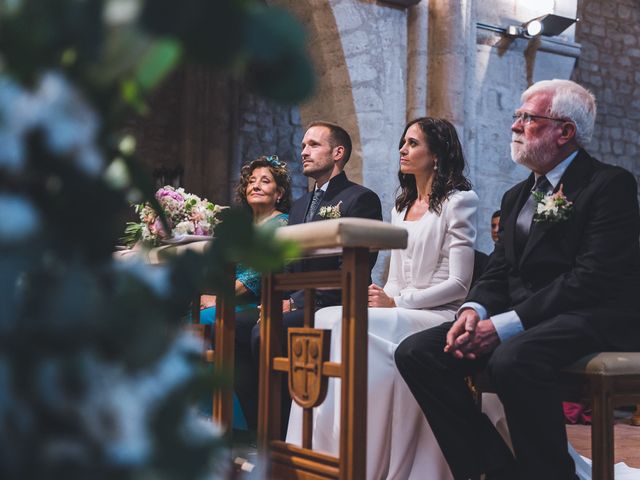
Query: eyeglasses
[[526, 118]]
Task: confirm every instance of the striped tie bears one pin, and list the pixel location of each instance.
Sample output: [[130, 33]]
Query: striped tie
[[315, 203]]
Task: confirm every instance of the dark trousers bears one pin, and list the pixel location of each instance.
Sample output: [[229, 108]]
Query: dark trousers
[[524, 371], [247, 363]]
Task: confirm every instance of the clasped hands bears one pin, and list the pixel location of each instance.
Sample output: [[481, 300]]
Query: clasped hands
[[378, 297], [469, 337]]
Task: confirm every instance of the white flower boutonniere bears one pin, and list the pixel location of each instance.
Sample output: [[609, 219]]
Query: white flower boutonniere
[[552, 207], [330, 211]]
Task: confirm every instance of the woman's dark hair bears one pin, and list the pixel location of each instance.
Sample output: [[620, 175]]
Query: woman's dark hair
[[280, 173], [443, 142]]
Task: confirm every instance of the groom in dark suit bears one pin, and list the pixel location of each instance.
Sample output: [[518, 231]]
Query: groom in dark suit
[[560, 284], [326, 148]]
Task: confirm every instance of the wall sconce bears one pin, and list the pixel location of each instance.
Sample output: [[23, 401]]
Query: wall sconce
[[548, 25]]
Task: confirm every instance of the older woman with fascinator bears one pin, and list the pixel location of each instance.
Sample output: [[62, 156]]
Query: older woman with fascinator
[[264, 189], [427, 283]]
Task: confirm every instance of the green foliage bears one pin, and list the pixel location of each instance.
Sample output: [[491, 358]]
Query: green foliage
[[267, 43], [96, 375], [37, 36], [132, 234]]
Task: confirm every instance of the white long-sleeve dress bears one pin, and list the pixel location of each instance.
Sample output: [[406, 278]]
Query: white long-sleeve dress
[[428, 281]]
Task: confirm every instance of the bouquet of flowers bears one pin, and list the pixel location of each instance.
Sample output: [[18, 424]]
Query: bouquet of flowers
[[186, 214]]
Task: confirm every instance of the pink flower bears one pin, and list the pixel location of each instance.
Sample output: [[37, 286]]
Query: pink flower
[[169, 192], [158, 229]]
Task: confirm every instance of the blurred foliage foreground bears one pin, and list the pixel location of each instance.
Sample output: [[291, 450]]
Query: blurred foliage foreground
[[96, 378]]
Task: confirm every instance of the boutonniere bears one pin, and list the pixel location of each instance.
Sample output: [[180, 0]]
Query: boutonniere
[[330, 211], [552, 207]]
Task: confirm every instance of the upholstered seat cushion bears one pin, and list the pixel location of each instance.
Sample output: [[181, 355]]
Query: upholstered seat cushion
[[607, 363], [345, 232]]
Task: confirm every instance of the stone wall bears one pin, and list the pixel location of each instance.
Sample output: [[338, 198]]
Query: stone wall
[[610, 67], [201, 127], [266, 128]]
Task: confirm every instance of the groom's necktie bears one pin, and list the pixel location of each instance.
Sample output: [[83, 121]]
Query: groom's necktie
[[315, 203], [525, 217]]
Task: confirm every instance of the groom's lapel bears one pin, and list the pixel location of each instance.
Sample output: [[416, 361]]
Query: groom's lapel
[[573, 181]]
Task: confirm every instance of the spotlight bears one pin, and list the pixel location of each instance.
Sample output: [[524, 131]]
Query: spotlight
[[548, 25]]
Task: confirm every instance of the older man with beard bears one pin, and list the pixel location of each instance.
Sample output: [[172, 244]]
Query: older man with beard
[[560, 284]]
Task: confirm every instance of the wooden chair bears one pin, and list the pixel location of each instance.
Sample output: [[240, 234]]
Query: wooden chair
[[607, 380], [307, 362], [610, 379]]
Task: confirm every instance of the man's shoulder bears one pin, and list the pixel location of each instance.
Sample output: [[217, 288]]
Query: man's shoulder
[[604, 174], [302, 200], [606, 170], [357, 189]]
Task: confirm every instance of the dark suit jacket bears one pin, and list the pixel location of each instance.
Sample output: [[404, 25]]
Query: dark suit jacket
[[357, 201], [589, 261]]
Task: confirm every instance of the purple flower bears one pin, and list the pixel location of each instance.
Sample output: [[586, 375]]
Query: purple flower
[[169, 192]]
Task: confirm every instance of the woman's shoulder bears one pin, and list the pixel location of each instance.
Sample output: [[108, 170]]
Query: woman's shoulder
[[463, 198], [397, 215], [281, 219], [461, 204]]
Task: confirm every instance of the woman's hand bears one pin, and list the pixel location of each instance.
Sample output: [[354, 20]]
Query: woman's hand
[[207, 301], [377, 297]]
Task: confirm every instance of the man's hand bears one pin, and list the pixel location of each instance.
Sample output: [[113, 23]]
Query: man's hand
[[479, 338], [461, 330], [207, 301], [286, 306], [377, 297]]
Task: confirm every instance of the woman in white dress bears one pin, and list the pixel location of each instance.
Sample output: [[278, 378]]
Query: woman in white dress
[[427, 283]]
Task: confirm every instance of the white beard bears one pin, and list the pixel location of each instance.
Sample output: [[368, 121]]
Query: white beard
[[534, 154]]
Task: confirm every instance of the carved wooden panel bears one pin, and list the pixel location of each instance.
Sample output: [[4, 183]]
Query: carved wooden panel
[[308, 350]]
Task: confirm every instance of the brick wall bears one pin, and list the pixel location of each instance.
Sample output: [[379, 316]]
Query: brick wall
[[609, 66]]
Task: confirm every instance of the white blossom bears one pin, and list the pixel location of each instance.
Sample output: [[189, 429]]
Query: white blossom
[[19, 218], [183, 228], [69, 124]]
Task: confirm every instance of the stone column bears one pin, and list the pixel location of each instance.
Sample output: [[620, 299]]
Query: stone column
[[451, 25], [417, 59]]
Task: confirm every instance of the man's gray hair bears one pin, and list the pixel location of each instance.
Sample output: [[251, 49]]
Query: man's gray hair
[[571, 101]]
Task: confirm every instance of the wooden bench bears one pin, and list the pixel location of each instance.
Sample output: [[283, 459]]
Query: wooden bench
[[307, 362]]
